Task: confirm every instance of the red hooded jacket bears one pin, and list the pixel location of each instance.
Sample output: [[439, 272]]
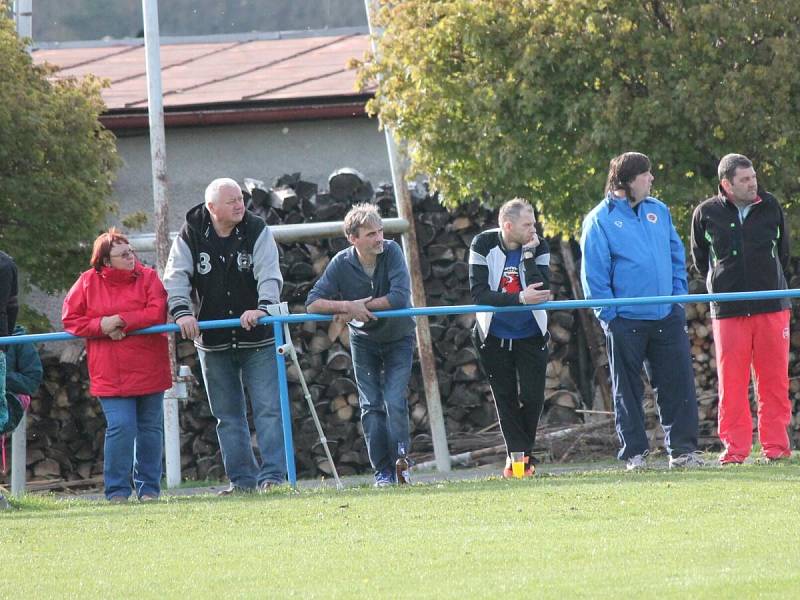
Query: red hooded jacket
[[136, 365]]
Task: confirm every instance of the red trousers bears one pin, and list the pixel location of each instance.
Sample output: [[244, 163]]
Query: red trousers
[[760, 342]]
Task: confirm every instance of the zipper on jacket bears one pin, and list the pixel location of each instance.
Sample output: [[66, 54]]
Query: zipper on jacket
[[649, 238]]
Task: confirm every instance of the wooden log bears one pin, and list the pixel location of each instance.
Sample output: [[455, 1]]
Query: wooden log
[[348, 185], [559, 334], [440, 253], [284, 198], [591, 328], [47, 468], [338, 359], [425, 233], [461, 223], [335, 329], [319, 343], [342, 386]]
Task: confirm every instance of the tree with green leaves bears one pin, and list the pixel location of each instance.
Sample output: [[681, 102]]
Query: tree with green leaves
[[499, 98], [57, 165]]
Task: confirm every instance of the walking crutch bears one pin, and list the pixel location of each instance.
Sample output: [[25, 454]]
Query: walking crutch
[[288, 350]]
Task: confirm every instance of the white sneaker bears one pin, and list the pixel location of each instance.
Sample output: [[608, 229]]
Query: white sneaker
[[636, 463], [690, 460]]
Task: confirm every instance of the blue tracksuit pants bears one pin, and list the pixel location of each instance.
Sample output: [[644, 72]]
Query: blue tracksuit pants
[[662, 346]]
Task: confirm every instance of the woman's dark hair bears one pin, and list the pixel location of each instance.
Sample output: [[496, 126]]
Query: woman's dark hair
[[623, 169], [101, 251]]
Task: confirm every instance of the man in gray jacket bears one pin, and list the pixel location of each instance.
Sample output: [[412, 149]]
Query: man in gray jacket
[[225, 263], [369, 276]]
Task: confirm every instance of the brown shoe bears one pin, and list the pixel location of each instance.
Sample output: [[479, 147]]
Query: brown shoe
[[148, 498], [118, 499]]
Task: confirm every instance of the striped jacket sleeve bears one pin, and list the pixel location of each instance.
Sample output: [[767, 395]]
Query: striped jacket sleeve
[[178, 279], [267, 270]]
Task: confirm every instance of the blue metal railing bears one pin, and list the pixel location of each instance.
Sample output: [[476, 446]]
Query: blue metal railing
[[278, 321]]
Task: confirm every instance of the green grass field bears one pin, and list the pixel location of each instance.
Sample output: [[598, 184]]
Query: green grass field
[[714, 533]]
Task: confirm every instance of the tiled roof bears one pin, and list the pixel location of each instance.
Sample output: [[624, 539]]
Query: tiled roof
[[221, 70]]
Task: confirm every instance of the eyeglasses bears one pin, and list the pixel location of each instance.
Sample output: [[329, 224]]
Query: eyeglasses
[[125, 255]]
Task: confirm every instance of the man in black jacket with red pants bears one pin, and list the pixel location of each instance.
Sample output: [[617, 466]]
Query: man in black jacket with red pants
[[740, 243]]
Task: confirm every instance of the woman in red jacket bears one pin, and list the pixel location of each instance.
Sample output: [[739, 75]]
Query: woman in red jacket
[[127, 373]]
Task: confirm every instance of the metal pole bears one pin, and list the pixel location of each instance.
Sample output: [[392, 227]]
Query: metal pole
[[172, 426], [23, 18], [284, 234], [427, 360], [286, 409], [155, 111], [19, 454], [41, 338], [158, 156]]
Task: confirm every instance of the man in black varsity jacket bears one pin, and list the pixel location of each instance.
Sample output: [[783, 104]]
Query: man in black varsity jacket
[[223, 265], [740, 243], [509, 266]]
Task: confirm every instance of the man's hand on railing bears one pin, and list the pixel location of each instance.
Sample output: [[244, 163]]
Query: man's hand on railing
[[533, 295], [249, 318], [356, 311], [189, 327]]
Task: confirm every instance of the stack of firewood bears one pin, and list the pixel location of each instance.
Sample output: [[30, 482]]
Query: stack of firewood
[[66, 425]]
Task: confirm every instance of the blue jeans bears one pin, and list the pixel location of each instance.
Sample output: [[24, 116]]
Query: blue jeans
[[382, 373], [663, 348], [134, 444], [224, 373]]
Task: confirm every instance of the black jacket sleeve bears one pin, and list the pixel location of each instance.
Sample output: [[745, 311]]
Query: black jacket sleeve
[[699, 243], [784, 247], [482, 293], [8, 295]]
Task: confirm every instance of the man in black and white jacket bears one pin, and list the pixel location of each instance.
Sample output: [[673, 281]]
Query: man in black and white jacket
[[225, 263], [509, 266]]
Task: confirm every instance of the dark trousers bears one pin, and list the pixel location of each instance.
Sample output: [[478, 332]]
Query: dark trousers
[[516, 371], [663, 347]]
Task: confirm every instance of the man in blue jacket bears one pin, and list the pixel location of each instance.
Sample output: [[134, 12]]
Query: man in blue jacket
[[631, 249], [369, 276]]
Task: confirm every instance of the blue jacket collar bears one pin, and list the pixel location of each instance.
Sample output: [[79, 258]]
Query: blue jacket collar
[[352, 256], [614, 202]]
